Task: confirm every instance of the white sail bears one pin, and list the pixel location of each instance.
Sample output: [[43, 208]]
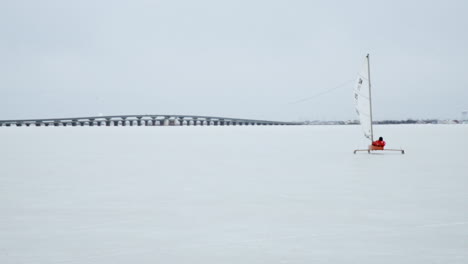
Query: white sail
[[362, 100]]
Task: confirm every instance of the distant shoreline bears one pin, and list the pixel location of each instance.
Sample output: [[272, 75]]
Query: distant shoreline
[[390, 122]]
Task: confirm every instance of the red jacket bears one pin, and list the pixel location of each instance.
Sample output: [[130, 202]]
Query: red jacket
[[378, 143]]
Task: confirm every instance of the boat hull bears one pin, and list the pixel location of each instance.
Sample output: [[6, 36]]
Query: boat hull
[[372, 147]]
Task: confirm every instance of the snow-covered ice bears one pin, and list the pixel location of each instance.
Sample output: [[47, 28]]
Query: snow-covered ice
[[287, 194]]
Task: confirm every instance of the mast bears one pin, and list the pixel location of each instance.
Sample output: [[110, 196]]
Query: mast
[[370, 97]]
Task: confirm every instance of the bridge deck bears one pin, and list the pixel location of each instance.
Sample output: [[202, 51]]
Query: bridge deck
[[144, 120]]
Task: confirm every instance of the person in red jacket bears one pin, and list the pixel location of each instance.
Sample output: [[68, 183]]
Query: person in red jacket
[[379, 143]]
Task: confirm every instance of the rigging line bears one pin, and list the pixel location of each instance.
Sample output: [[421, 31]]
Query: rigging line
[[322, 93]]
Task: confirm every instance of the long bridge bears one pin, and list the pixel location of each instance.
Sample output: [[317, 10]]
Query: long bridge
[[144, 120]]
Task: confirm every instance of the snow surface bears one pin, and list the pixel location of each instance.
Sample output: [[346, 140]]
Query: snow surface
[[287, 194]]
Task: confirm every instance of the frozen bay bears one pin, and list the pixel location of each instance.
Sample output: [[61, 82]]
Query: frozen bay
[[286, 194]]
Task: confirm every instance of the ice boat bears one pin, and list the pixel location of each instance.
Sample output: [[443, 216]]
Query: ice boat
[[363, 104]]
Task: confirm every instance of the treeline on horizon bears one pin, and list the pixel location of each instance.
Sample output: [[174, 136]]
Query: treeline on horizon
[[387, 122]]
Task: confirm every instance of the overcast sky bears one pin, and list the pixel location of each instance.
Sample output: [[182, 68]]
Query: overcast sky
[[247, 59]]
